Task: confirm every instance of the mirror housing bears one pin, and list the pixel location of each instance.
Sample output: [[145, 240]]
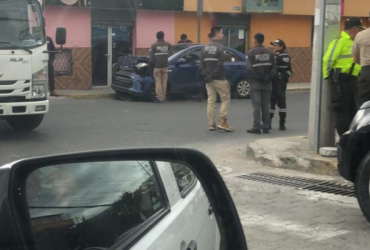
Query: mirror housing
[[181, 61], [61, 36], [14, 176]]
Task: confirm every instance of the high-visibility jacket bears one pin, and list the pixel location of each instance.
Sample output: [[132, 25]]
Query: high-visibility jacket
[[339, 55]]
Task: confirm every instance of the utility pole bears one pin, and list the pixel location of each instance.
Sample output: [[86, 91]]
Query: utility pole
[[321, 131], [199, 16]]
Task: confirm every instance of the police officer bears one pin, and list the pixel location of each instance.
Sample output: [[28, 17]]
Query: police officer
[[184, 39], [212, 67], [159, 53], [279, 82], [261, 67], [341, 70], [361, 54], [51, 48]]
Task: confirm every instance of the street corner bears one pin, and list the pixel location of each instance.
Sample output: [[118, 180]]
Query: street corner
[[291, 153]]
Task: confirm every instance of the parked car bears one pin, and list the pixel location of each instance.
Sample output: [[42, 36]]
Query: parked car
[[138, 199], [354, 157], [184, 74]]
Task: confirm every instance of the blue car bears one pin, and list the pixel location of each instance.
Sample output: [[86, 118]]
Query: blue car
[[133, 76]]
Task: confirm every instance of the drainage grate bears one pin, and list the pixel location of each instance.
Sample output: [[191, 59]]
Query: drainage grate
[[303, 183]]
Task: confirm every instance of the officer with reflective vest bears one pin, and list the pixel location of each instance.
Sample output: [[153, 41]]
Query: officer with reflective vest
[[341, 70]]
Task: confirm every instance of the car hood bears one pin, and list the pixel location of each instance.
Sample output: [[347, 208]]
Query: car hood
[[130, 61]]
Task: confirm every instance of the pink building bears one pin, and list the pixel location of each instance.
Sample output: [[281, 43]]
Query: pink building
[[96, 37]]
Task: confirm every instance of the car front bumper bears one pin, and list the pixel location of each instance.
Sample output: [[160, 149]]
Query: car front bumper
[[350, 152], [134, 85]]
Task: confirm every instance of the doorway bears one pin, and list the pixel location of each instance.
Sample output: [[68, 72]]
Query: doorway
[[235, 38], [108, 42]]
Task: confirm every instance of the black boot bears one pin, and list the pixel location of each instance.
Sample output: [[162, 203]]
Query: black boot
[[271, 116], [254, 131], [282, 121]]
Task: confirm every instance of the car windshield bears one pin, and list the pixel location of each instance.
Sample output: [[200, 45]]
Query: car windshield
[[21, 24]]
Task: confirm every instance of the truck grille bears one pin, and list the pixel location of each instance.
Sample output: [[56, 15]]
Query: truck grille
[[123, 81], [7, 82], [12, 99], [7, 91]]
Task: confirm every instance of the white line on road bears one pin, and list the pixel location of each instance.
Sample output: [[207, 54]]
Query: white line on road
[[272, 224], [224, 170]]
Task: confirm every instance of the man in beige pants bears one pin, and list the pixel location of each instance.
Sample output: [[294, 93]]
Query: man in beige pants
[[212, 67], [159, 53]]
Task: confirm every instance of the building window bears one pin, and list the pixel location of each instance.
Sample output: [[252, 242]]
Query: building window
[[264, 6], [63, 63]]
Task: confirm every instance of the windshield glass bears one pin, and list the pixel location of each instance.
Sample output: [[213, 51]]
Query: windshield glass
[[21, 24]]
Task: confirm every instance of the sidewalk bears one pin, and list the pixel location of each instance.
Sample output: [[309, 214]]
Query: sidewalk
[[107, 92], [99, 92], [291, 153]]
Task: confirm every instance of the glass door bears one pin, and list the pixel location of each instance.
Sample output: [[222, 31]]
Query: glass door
[[99, 49], [237, 39], [108, 43], [234, 38], [122, 38]]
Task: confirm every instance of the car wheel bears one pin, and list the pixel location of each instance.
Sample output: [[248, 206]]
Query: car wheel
[[25, 122], [362, 186], [123, 96], [242, 89], [168, 93], [152, 93]]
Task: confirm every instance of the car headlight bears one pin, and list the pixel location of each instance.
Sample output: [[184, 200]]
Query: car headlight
[[39, 83], [358, 119]]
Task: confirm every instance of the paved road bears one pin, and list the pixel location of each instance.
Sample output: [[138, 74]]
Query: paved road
[[285, 218], [274, 217], [80, 125]]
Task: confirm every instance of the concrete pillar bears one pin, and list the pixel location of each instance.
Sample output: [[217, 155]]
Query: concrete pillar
[[327, 26]]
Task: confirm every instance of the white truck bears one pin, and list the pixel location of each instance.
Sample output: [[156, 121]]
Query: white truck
[[24, 63]]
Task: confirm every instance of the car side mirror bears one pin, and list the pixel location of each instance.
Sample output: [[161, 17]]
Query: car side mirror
[[181, 61], [61, 36], [120, 199]]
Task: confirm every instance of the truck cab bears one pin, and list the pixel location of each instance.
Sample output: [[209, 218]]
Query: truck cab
[[23, 64]]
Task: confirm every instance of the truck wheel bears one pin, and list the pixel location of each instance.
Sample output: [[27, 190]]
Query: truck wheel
[[25, 122], [362, 186]]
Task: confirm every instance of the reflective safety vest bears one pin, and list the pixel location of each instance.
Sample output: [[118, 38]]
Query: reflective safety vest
[[339, 56]]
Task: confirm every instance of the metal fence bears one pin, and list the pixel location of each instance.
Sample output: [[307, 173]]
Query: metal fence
[[63, 63]]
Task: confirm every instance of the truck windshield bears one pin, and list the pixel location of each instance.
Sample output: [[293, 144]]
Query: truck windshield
[[21, 24]]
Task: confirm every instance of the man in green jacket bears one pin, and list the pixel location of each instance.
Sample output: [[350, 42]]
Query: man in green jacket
[[341, 70]]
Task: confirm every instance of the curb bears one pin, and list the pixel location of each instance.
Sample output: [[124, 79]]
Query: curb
[[88, 96], [98, 96], [298, 89], [297, 157]]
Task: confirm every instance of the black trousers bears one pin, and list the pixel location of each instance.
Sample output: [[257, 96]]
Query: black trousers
[[51, 77], [344, 104], [363, 86], [278, 95]]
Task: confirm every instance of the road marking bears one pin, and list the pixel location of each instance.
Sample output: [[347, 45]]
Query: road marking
[[224, 170], [318, 233]]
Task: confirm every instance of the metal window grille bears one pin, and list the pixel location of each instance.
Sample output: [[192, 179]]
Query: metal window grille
[[63, 63]]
